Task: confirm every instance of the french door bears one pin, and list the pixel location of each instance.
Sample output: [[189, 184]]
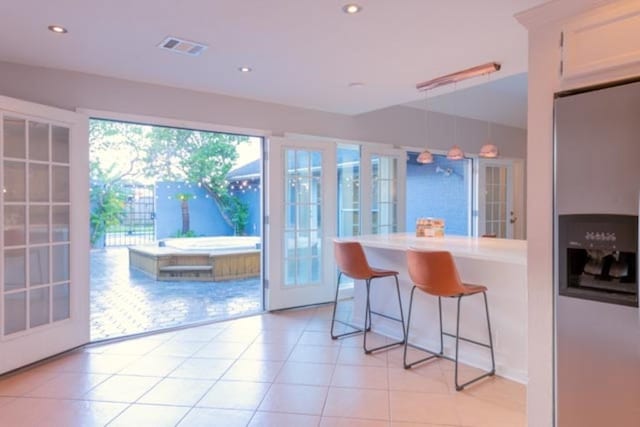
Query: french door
[[496, 214], [44, 297], [383, 189], [301, 222]]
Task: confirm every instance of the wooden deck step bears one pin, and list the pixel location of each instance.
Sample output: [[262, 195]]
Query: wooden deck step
[[185, 268]]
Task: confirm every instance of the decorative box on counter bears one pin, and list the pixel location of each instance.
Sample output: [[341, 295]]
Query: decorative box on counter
[[430, 227]]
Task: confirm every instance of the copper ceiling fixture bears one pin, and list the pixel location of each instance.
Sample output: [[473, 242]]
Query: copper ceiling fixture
[[488, 150]]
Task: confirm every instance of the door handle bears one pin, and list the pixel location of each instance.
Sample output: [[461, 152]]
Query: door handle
[[513, 218]]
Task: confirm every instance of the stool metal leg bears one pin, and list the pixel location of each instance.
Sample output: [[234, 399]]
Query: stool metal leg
[[490, 346], [369, 312], [406, 342], [334, 320]]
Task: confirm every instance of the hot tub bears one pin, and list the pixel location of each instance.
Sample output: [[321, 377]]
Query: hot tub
[[199, 258]]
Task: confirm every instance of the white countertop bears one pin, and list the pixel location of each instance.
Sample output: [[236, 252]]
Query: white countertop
[[490, 249]]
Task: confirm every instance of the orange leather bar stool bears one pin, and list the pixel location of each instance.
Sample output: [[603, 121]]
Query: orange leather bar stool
[[435, 273], [352, 262]]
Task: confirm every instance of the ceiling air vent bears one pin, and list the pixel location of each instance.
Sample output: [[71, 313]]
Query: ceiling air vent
[[186, 47]]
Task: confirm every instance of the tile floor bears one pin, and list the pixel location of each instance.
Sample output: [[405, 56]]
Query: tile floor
[[276, 369]]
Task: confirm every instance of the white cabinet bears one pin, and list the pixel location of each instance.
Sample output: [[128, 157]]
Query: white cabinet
[[600, 41]]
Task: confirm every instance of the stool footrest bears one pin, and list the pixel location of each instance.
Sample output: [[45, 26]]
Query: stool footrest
[[467, 340], [386, 316]]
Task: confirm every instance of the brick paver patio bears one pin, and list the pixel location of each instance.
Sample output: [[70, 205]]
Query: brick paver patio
[[125, 302]]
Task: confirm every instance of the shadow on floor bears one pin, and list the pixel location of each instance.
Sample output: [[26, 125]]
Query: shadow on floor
[[125, 302]]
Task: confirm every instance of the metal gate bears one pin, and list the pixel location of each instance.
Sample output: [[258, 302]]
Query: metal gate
[[138, 222]]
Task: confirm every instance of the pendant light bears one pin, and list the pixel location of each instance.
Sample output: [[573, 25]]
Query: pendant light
[[425, 157], [455, 152], [489, 150]]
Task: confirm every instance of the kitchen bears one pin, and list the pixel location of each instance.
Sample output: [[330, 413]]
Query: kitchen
[[611, 58]]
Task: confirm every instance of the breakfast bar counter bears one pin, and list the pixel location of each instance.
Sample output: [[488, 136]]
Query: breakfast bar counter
[[499, 264]]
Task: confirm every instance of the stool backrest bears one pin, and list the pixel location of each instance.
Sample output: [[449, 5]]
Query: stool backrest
[[434, 272], [351, 260]]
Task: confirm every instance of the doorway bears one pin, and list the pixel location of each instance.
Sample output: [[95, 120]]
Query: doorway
[[176, 228]]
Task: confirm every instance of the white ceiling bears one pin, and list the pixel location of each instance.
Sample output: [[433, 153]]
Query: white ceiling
[[304, 53]]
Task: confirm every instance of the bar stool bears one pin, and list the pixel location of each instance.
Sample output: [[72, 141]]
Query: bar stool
[[436, 274], [352, 262]]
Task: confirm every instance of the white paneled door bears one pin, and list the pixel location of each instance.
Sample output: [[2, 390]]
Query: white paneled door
[[383, 189], [44, 304], [496, 214], [301, 207]]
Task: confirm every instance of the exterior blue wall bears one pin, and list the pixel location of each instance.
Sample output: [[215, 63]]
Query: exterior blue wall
[[204, 216], [439, 190]]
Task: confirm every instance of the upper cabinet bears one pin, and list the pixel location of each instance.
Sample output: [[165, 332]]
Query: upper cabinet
[[596, 43]]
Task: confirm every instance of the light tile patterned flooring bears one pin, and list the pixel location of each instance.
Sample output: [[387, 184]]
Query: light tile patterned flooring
[[277, 369]]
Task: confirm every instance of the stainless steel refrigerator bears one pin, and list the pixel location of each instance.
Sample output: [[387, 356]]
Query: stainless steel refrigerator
[[597, 323]]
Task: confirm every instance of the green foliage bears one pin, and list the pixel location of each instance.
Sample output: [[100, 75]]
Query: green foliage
[[169, 154], [108, 201], [238, 212], [189, 233]]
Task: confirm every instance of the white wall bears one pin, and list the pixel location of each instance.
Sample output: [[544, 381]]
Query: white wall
[[400, 126], [545, 24]]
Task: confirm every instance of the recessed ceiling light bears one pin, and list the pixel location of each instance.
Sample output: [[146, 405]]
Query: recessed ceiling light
[[351, 8], [57, 29], [356, 84], [245, 69]]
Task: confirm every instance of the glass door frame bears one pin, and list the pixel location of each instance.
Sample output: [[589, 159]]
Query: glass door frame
[[511, 184], [43, 341], [368, 151], [277, 295]]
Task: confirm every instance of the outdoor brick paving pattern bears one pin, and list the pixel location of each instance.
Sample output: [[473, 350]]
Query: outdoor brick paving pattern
[[125, 302]]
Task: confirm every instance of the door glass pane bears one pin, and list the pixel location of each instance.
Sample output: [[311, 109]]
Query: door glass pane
[[348, 190], [61, 302], [60, 186], [302, 216], [38, 183], [60, 144], [14, 269], [60, 260], [38, 141], [14, 137], [14, 225], [60, 223], [384, 170], [496, 200], [39, 265], [15, 312], [38, 307], [39, 224], [14, 182]]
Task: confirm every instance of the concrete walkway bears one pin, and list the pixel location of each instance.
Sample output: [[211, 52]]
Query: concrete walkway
[[125, 302]]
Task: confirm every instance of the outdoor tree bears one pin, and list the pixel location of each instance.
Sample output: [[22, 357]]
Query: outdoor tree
[[132, 152], [184, 208], [116, 153], [202, 158], [107, 199]]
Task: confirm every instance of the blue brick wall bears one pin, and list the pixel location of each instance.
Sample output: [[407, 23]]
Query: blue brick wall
[[439, 190]]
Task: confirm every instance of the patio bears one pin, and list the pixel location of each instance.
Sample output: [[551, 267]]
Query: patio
[[125, 302]]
